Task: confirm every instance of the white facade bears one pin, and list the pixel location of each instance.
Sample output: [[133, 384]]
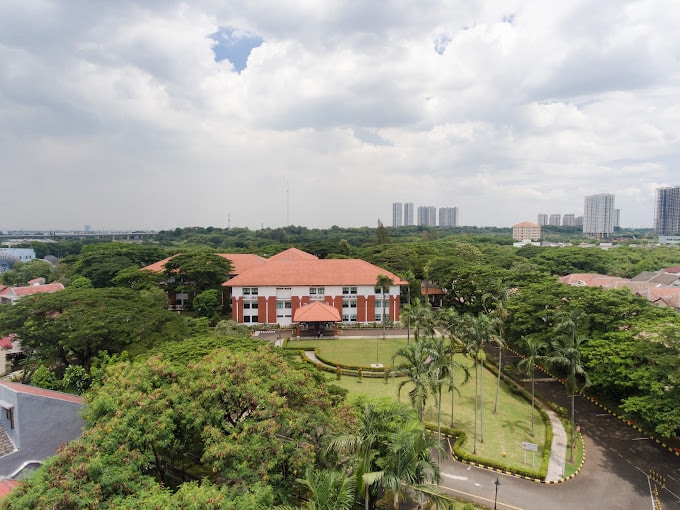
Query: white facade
[[667, 211], [448, 216], [427, 216], [397, 214], [598, 215], [408, 214]]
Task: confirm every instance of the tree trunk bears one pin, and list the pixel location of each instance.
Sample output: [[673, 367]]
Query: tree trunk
[[498, 384]]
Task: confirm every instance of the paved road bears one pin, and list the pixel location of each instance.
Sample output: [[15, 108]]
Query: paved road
[[615, 474]]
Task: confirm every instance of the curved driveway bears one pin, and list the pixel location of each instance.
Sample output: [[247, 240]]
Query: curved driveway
[[614, 476]]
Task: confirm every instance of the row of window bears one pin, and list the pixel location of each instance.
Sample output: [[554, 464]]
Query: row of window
[[313, 291]]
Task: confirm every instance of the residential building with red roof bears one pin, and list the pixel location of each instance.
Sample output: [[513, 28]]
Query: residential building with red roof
[[9, 295], [275, 291], [526, 231]]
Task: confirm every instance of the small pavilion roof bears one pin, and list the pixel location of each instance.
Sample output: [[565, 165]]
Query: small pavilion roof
[[317, 311]]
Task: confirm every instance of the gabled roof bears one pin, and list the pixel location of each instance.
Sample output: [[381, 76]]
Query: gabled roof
[[310, 272], [240, 262], [317, 311], [292, 254], [33, 289], [527, 224]]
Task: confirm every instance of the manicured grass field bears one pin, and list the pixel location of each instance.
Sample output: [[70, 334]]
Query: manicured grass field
[[499, 436]]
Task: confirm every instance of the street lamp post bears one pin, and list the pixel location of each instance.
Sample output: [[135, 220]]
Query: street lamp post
[[495, 499]]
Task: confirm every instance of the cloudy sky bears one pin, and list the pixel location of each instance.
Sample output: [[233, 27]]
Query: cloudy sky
[[158, 114]]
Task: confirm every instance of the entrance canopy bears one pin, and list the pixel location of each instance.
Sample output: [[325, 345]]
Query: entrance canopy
[[317, 312]]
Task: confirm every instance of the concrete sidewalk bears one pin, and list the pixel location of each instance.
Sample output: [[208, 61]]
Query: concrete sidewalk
[[558, 449]]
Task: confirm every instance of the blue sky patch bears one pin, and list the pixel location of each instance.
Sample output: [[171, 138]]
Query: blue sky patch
[[235, 46]]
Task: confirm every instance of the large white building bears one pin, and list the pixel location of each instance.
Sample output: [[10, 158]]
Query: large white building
[[667, 211], [397, 214], [526, 231], [598, 215], [427, 216], [448, 216], [408, 214]]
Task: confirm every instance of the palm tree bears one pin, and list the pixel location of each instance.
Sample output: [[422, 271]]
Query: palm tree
[[383, 283], [327, 490], [420, 317], [407, 464], [441, 366], [498, 297], [565, 353], [414, 369], [451, 322], [532, 354], [477, 330], [376, 421]]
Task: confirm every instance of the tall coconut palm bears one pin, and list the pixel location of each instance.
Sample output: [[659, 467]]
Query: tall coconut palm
[[420, 317], [407, 464], [376, 421], [414, 367], [565, 353], [442, 366], [451, 323], [532, 348], [497, 298], [383, 283], [478, 330]]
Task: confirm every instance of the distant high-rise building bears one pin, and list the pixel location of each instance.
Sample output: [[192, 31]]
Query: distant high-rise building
[[397, 215], [542, 219], [617, 218], [448, 216], [427, 216], [568, 220], [408, 214], [667, 211], [555, 220], [598, 215], [578, 221]]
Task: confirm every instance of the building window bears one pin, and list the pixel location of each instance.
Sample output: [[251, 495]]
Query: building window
[[250, 291], [313, 291], [246, 318], [349, 290], [353, 317], [248, 305]]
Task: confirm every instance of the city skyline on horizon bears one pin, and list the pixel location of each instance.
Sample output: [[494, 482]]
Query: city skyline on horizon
[[131, 115]]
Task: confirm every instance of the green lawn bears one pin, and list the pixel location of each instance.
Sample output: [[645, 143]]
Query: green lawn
[[503, 433]]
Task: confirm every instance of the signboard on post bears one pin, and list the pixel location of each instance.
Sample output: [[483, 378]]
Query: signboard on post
[[532, 447]]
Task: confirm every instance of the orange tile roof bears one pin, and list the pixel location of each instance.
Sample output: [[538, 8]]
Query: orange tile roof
[[293, 254], [312, 272], [526, 224], [33, 289], [317, 311], [240, 262]]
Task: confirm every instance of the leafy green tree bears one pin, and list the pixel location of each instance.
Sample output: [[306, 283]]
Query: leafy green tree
[[196, 272], [72, 326], [382, 237], [207, 304], [137, 279], [102, 262], [23, 272], [81, 282]]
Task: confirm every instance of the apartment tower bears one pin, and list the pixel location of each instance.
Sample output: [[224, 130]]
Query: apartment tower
[[598, 215], [667, 211]]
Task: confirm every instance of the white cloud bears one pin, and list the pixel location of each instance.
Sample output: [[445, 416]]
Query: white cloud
[[117, 115]]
